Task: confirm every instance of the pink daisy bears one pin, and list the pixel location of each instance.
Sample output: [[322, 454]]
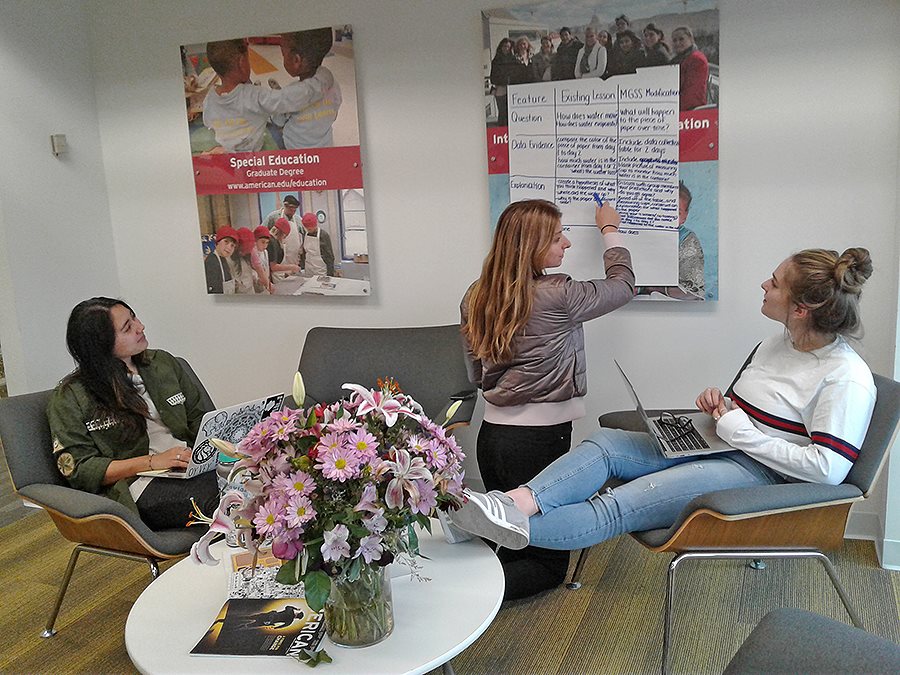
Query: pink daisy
[[296, 483], [299, 511], [268, 519], [338, 464]]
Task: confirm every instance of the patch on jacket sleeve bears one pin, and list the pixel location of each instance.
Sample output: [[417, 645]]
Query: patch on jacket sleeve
[[101, 424], [177, 399], [65, 463]]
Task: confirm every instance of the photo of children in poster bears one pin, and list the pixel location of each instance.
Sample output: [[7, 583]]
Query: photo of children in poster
[[540, 43], [274, 138]]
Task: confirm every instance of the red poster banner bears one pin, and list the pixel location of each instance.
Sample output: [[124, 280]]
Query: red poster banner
[[283, 170], [699, 135], [498, 149]]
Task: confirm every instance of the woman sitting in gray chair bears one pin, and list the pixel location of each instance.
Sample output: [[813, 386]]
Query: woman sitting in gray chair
[[128, 409], [799, 411]]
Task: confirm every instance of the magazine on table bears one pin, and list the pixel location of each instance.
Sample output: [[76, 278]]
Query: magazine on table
[[263, 627]]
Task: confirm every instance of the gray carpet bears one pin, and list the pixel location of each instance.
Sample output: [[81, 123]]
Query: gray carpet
[[613, 624]]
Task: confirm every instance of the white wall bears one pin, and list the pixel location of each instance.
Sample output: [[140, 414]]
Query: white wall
[[809, 150], [55, 233]]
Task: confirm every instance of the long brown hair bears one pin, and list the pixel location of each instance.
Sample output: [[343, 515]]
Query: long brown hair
[[91, 337], [500, 301], [829, 285]]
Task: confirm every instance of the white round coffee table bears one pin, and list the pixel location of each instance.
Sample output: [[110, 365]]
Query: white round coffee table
[[433, 621]]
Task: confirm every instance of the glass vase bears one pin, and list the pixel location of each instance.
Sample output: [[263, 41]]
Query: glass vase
[[360, 613]]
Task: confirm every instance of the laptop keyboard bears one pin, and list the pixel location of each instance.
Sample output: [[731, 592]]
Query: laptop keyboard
[[677, 442]]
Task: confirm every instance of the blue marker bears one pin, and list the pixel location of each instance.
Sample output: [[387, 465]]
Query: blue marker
[[599, 199]]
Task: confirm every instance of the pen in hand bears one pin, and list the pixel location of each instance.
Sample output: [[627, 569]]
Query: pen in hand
[[599, 199]]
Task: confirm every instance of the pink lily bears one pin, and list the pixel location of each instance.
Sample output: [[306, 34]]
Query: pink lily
[[200, 554], [406, 470], [220, 523], [376, 401], [367, 501]]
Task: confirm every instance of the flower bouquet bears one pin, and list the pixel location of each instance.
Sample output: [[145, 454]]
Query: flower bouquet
[[336, 490]]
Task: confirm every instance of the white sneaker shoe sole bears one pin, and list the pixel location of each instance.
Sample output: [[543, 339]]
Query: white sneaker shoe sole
[[485, 516]]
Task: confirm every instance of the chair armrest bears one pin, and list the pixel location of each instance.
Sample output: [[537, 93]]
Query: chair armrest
[[763, 498], [463, 414]]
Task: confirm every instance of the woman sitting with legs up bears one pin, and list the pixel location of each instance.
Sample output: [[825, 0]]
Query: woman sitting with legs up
[[127, 409], [799, 412]]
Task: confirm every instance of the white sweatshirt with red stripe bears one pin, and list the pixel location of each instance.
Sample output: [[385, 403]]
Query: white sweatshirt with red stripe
[[803, 414]]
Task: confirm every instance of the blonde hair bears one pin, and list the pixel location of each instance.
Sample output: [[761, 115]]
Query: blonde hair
[[830, 285], [523, 40], [500, 302]]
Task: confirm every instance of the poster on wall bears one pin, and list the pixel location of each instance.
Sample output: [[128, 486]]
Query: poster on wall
[[618, 98], [274, 139]]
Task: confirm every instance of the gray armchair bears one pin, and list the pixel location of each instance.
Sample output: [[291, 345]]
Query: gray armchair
[[791, 520], [427, 362], [791, 641], [96, 524]]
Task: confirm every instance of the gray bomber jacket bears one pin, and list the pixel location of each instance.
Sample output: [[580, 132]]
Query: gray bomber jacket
[[549, 362]]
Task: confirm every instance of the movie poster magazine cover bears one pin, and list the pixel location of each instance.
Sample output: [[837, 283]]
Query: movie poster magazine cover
[[263, 627]]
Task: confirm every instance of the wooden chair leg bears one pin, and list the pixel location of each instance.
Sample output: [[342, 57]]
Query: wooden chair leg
[[575, 582]]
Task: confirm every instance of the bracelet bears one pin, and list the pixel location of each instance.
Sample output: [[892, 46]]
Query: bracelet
[[608, 225], [150, 461]]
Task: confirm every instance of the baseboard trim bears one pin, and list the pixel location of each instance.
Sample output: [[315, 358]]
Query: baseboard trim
[[889, 553]]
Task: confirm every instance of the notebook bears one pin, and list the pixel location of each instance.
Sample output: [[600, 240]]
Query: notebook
[[672, 441], [230, 424]]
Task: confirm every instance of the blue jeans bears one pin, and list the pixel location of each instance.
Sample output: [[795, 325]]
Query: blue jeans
[[574, 515]]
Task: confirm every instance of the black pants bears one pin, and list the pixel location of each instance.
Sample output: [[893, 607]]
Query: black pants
[[166, 502], [509, 456]]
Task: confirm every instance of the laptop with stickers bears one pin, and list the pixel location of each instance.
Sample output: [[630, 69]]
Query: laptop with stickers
[[230, 424]]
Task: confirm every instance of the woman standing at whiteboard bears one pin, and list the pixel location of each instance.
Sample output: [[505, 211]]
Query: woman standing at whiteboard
[[524, 341]]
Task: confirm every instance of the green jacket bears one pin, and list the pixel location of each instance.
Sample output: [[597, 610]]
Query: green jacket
[[85, 442]]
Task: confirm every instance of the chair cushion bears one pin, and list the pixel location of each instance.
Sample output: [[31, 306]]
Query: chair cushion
[[795, 641]]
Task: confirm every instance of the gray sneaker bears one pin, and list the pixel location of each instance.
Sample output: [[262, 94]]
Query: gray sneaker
[[493, 516]]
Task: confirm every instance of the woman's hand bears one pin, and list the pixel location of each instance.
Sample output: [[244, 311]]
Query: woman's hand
[[709, 401], [173, 458], [606, 216]]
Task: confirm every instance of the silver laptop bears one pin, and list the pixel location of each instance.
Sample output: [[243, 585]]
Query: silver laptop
[[676, 440], [230, 424]]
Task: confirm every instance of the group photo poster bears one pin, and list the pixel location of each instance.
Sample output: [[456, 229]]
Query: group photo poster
[[621, 98], [274, 138]]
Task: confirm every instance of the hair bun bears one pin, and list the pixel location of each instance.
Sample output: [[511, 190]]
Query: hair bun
[[852, 269]]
